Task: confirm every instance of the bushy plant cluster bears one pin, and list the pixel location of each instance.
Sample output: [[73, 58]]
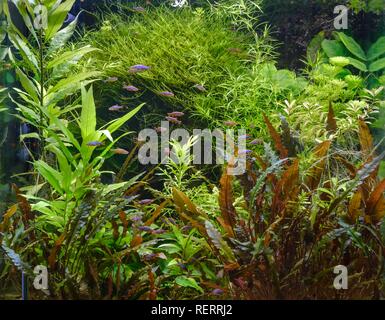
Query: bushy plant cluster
[[311, 197], [209, 62]]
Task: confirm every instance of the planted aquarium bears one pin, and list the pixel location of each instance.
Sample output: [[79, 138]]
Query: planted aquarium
[[192, 150]]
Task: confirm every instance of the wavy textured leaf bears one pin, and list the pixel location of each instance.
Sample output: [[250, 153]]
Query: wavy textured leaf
[[283, 153], [317, 169]]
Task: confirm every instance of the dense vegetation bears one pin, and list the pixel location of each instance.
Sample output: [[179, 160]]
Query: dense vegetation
[[106, 226]]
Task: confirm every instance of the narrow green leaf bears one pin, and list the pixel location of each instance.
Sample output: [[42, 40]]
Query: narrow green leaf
[[88, 115], [28, 85], [56, 18], [70, 55], [52, 176], [32, 135]]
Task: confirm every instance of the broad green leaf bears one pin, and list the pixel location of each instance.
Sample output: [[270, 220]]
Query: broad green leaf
[[377, 49], [339, 61], [377, 65], [352, 46], [358, 64], [188, 282], [333, 48], [56, 18]]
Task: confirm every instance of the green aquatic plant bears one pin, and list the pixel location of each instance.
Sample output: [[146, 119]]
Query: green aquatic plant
[[215, 71], [304, 218], [73, 212], [344, 51], [178, 170], [376, 6], [43, 66]]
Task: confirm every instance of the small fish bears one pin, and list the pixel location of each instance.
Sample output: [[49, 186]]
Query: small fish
[[23, 154], [182, 266], [166, 94], [145, 201], [175, 114], [160, 129], [70, 18], [159, 231], [94, 144], [138, 68], [152, 256], [240, 282], [217, 292], [186, 228], [168, 220], [130, 88], [199, 87], [138, 9], [136, 218], [256, 141], [230, 123], [115, 108], [173, 120], [149, 256], [244, 151], [111, 79], [120, 151], [24, 128], [145, 229]]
